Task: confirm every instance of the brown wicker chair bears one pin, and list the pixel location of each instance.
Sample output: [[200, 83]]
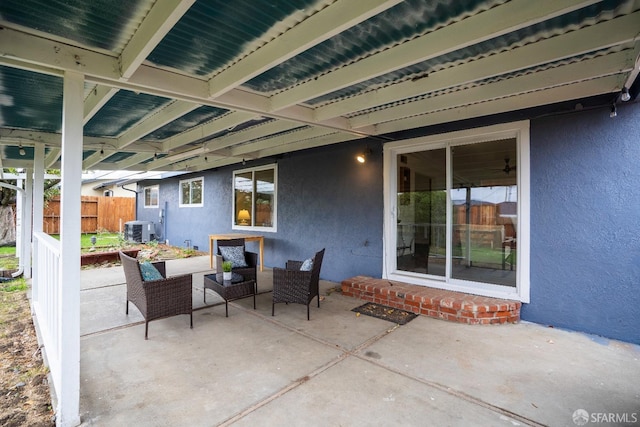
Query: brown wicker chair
[[295, 286], [251, 258], [157, 299]]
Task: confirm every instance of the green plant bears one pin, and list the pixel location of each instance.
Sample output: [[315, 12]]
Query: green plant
[[8, 263], [226, 266], [18, 284], [8, 250]]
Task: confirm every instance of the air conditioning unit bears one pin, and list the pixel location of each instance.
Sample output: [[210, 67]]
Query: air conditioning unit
[[139, 231]]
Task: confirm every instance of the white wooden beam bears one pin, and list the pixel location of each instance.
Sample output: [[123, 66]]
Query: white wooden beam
[[572, 73], [513, 103], [606, 34], [317, 28], [321, 141], [98, 68], [277, 140], [160, 19], [134, 160], [52, 157], [155, 26], [258, 131], [149, 124], [97, 157], [96, 99], [204, 161], [204, 130], [492, 23], [226, 141]]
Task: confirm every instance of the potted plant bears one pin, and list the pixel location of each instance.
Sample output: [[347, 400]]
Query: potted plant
[[226, 270]]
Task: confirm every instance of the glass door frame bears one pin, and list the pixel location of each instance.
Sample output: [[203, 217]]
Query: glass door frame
[[519, 131]]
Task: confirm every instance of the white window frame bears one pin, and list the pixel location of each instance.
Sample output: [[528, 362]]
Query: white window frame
[[272, 229], [144, 195], [519, 131], [190, 205]]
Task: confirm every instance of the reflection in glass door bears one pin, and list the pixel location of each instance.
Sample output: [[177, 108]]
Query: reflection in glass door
[[484, 199], [481, 243], [422, 205]]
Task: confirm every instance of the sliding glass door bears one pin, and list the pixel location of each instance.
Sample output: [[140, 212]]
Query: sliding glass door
[[484, 200], [455, 212], [422, 205]]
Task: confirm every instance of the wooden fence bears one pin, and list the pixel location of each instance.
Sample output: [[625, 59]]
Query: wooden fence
[[97, 214]]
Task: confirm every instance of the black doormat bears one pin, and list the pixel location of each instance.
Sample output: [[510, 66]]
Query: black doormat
[[391, 314]]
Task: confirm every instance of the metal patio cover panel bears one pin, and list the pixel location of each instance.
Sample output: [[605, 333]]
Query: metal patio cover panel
[[179, 85]]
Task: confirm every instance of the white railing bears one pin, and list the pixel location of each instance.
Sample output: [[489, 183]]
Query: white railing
[[46, 301]]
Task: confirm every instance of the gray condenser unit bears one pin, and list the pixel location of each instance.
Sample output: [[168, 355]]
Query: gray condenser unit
[[139, 231]]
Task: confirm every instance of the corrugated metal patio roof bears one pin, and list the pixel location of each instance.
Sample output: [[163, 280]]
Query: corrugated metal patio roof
[[192, 85]]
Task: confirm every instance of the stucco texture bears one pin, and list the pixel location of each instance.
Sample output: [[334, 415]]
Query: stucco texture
[[585, 217], [325, 200]]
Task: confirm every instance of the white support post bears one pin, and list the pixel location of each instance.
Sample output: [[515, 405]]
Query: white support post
[[26, 230], [68, 409], [38, 187], [19, 223], [38, 206]]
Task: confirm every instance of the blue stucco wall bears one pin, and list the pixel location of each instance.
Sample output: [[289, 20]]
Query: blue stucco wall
[[325, 200], [585, 221], [585, 215]]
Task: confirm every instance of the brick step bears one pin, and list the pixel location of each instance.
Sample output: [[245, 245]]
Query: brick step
[[432, 302]]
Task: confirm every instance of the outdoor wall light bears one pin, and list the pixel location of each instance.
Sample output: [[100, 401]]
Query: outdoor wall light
[[613, 112], [624, 96], [243, 217], [362, 157], [21, 151]]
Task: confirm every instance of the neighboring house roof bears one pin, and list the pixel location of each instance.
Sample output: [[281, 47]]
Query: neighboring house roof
[[116, 178], [192, 85]]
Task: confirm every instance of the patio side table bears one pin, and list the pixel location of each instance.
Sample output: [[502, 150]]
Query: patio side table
[[230, 290]]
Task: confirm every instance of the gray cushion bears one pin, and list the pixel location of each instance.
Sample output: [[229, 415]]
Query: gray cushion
[[235, 254], [307, 265], [149, 271]]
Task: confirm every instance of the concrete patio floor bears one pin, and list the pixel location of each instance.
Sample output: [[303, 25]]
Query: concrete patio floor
[[337, 369]]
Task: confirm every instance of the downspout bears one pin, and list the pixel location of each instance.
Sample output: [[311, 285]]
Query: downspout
[[24, 201], [134, 192]]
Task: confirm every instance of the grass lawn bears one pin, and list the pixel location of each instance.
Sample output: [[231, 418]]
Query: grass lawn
[[9, 261], [102, 239], [8, 250]]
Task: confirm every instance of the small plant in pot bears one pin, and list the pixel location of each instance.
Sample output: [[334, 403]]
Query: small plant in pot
[[226, 270]]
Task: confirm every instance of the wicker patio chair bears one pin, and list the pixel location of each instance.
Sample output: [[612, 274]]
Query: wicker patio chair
[[160, 298], [290, 284], [249, 272]]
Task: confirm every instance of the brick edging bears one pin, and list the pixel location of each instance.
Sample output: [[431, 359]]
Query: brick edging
[[432, 302]]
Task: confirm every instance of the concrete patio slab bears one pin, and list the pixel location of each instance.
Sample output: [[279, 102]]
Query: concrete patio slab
[[252, 368], [191, 377], [355, 392], [542, 374]]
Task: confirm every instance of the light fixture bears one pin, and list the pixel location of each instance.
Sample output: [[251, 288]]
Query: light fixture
[[243, 162], [243, 217], [22, 151], [362, 157], [613, 112], [624, 96]]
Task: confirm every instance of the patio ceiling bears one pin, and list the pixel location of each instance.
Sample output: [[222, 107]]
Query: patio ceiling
[[177, 85]]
